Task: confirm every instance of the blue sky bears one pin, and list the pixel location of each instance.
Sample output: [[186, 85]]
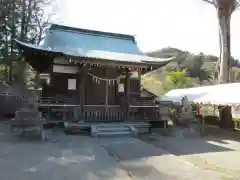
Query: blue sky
[[186, 24]]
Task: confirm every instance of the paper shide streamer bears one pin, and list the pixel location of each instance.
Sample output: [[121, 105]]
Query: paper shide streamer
[[98, 80]]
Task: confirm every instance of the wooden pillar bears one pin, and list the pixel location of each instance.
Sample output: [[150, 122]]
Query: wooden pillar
[[82, 86], [37, 83], [106, 91], [127, 94]]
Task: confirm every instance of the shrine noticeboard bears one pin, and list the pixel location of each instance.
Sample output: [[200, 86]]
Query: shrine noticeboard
[[72, 84], [120, 87]]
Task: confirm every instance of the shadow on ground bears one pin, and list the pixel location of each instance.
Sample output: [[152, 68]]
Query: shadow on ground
[[64, 157], [145, 161], [180, 141], [61, 157], [128, 148]]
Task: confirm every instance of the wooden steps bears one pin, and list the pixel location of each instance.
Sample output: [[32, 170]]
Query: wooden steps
[[109, 129]]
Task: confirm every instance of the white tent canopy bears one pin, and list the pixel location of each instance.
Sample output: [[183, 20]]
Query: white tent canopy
[[221, 94]]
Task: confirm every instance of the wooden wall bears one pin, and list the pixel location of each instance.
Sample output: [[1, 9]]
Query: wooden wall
[[59, 85], [95, 94]]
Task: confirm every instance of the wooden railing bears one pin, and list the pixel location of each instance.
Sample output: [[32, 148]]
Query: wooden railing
[[57, 100], [102, 113], [143, 101], [62, 110], [144, 108], [144, 113], [58, 108]]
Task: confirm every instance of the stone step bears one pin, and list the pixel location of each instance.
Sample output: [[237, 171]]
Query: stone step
[[113, 125], [103, 130], [114, 133], [112, 128], [120, 130], [97, 129]]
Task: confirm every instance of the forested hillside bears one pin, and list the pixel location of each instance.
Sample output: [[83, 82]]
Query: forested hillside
[[25, 21], [199, 69]]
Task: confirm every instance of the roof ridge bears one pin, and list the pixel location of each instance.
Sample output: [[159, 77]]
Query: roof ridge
[[93, 32]]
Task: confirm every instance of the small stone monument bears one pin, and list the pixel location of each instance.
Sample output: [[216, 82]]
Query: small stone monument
[[28, 118], [185, 112]]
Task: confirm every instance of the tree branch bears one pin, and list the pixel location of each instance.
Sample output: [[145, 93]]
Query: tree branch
[[210, 2], [237, 5]]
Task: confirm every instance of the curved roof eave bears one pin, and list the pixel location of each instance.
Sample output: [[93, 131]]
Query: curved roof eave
[[21, 44], [107, 56]]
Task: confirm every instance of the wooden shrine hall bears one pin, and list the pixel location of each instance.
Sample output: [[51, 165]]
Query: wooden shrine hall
[[91, 76]]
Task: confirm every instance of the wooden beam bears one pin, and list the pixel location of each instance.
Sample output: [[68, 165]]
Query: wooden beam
[[106, 89], [109, 63], [127, 94], [82, 86], [61, 64]]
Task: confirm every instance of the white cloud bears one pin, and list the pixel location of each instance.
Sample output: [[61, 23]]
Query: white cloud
[[187, 24]]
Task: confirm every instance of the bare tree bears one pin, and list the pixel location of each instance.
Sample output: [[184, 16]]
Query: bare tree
[[224, 8]]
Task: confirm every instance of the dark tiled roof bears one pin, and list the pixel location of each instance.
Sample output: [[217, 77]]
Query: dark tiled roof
[[93, 44], [69, 39], [93, 32]]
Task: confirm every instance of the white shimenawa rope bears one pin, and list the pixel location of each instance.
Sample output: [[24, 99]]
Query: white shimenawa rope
[[97, 79]]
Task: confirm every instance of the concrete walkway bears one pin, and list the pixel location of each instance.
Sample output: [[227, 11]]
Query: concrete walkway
[[77, 157], [145, 161], [216, 154], [63, 158]]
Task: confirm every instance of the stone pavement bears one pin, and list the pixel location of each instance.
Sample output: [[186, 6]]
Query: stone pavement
[[63, 158], [212, 153], [145, 161], [77, 157]]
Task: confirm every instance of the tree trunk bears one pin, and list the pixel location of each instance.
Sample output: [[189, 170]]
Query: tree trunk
[[23, 20], [6, 48], [13, 32], [225, 113]]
